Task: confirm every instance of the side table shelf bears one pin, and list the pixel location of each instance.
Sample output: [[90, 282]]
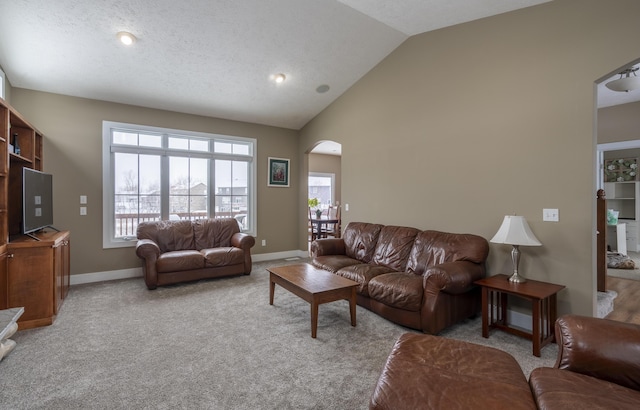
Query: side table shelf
[[542, 295], [8, 326]]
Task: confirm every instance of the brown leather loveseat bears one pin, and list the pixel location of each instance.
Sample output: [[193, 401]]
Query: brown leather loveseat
[[181, 251], [598, 367], [418, 279]]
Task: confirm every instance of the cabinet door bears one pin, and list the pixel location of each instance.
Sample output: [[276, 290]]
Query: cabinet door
[[61, 272], [58, 289], [66, 267], [31, 282]]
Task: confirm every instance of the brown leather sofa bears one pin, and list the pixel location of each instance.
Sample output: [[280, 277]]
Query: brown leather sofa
[[418, 279], [181, 251], [598, 367]]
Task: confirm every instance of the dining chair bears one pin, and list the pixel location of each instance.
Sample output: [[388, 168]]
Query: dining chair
[[333, 229]]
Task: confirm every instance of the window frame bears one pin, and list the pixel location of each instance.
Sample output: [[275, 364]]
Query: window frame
[[108, 168]]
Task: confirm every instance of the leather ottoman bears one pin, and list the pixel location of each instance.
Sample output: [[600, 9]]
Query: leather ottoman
[[431, 372]]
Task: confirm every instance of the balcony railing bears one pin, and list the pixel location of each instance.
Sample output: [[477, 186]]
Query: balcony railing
[[127, 224]]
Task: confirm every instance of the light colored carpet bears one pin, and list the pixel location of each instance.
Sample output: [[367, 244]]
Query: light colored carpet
[[605, 302], [214, 344]]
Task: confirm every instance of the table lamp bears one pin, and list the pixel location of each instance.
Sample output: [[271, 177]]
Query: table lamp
[[515, 231]]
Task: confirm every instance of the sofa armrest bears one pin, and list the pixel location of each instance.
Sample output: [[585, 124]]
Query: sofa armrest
[[600, 348], [243, 240], [452, 277], [327, 246], [149, 252], [147, 249]]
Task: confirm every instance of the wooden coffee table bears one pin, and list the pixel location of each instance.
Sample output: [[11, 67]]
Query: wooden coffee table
[[316, 286]]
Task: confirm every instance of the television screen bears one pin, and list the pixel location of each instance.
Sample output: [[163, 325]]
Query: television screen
[[37, 200]]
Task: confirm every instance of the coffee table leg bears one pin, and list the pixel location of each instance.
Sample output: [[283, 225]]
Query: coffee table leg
[[352, 306], [272, 287], [314, 318]]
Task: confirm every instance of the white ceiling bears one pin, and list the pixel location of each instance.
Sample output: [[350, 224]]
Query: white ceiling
[[216, 57]]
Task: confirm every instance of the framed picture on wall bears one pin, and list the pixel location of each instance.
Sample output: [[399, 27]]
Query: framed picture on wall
[[278, 172]]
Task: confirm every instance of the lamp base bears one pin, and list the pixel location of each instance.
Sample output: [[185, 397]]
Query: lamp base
[[515, 278]]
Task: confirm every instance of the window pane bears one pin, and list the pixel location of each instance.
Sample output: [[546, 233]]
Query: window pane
[[241, 149], [199, 145], [320, 187], [178, 143], [198, 189], [188, 187], [126, 220], [125, 138], [151, 140], [222, 147], [149, 187]]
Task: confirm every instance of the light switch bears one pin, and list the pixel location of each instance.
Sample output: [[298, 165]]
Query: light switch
[[83, 199], [83, 210], [551, 215], [346, 207]]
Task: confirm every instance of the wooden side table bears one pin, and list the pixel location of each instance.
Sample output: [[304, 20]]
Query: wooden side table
[[495, 292]]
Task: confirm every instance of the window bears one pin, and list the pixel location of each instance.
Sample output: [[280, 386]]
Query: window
[[153, 173], [321, 186]]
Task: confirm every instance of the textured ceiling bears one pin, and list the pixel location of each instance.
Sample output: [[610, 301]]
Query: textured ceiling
[[216, 57]]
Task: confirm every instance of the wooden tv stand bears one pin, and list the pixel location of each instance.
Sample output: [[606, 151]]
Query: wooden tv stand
[[38, 276], [34, 271]]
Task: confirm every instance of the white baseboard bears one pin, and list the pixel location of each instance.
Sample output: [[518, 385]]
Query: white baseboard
[[105, 276], [279, 255], [93, 277]]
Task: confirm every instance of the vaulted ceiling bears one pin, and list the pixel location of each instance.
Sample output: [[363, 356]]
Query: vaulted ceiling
[[217, 57]]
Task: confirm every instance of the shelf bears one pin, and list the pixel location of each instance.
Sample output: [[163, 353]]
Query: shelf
[[20, 158]]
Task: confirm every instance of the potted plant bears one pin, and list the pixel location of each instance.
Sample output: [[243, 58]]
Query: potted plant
[[315, 203]]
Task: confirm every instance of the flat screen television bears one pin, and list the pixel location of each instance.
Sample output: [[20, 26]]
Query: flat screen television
[[37, 200]]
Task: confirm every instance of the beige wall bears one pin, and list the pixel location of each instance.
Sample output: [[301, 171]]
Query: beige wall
[[619, 123], [461, 126], [330, 164], [73, 154]]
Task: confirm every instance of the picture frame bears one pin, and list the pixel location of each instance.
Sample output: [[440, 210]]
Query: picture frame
[[278, 172]]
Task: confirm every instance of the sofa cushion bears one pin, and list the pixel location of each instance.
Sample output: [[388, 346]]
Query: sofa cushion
[[563, 389], [169, 235], [333, 263], [393, 247], [432, 372], [223, 256], [214, 233], [179, 261], [360, 240], [432, 248], [398, 289], [362, 273]]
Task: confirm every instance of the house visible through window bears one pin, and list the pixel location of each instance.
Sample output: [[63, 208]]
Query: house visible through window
[[321, 186], [152, 174]]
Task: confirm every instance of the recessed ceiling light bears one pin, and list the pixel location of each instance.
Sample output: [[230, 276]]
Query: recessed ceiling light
[[279, 78], [126, 38]]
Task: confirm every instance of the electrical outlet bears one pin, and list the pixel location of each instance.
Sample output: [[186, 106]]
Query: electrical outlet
[[264, 242], [83, 210], [83, 199]]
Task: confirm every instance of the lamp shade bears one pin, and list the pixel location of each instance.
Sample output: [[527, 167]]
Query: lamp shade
[[627, 82], [515, 231], [624, 84]]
